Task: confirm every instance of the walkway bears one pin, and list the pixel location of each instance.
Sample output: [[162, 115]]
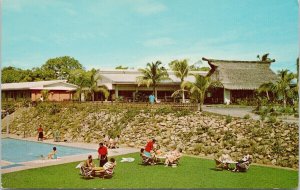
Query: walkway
[[232, 111], [237, 111], [62, 160]]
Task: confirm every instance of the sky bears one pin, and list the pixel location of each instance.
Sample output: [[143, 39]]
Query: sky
[[103, 34]]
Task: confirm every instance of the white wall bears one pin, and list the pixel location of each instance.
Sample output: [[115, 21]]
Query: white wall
[[226, 96]]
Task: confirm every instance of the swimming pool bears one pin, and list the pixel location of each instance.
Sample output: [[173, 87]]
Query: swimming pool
[[14, 150]]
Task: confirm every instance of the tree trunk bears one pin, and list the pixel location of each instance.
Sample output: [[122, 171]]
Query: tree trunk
[[268, 95], [183, 98], [199, 107], [93, 96], [284, 102]]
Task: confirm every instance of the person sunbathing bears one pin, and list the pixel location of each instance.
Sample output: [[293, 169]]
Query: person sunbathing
[[243, 164], [173, 156]]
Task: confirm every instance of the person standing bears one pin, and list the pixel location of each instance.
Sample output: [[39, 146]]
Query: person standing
[[40, 133], [102, 154], [151, 99], [149, 147]]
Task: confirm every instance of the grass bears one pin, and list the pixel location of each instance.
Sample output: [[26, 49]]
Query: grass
[[191, 173]]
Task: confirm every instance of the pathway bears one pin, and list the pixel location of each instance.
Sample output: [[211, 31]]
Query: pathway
[[242, 111]]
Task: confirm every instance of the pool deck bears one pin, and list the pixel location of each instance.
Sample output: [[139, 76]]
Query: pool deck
[[66, 159]]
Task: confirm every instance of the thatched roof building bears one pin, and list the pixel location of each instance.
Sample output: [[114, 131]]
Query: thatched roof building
[[240, 75]]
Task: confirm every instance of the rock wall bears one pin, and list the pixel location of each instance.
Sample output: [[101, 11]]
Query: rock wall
[[196, 133]]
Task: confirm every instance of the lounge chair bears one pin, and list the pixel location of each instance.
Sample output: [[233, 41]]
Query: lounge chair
[[86, 172], [146, 160], [220, 165], [243, 164], [174, 162], [104, 173]]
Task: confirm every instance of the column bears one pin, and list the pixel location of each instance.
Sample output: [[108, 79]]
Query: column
[[117, 91], [226, 96]]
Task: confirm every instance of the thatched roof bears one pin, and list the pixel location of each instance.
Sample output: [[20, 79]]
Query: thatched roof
[[238, 75]]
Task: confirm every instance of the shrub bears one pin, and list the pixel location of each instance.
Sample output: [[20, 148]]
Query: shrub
[[229, 136], [228, 119], [272, 119], [163, 110], [183, 112], [54, 109], [247, 116], [244, 143], [198, 148]]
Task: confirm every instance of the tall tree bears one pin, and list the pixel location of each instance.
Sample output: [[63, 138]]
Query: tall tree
[[93, 85], [283, 86], [82, 79], [12, 74], [152, 75], [199, 87], [181, 70], [60, 67], [87, 82]]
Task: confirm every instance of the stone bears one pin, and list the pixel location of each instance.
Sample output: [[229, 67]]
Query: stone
[[148, 131], [163, 124], [131, 144], [165, 141]]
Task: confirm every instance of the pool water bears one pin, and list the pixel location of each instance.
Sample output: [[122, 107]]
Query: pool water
[[14, 150]]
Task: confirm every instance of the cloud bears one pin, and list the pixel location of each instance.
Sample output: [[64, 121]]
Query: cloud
[[147, 7], [158, 42]]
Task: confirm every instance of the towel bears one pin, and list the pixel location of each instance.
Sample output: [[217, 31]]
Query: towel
[[127, 160]]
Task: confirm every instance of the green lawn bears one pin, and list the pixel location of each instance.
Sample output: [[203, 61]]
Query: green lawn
[[191, 173]]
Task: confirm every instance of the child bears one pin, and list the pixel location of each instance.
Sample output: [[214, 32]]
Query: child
[[52, 154]]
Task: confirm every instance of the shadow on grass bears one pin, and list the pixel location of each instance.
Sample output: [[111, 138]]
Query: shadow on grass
[[216, 169]]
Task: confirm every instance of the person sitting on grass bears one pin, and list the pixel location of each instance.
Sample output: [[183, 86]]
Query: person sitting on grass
[[173, 157], [88, 167], [146, 158], [52, 154]]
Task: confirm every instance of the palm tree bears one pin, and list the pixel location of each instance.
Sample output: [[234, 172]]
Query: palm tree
[[266, 87], [93, 85], [87, 83], [81, 79], [152, 75], [282, 87], [181, 70], [199, 87], [265, 57]]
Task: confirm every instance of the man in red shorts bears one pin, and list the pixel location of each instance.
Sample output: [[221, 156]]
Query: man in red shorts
[[102, 154]]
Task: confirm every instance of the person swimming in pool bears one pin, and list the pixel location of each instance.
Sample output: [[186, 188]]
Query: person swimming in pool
[[53, 154]]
